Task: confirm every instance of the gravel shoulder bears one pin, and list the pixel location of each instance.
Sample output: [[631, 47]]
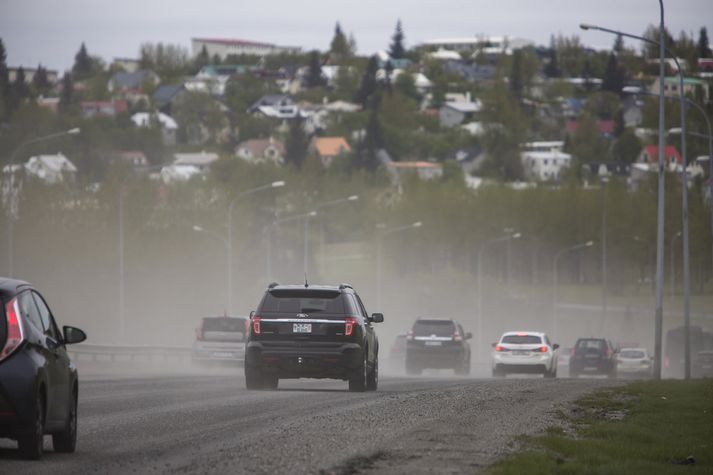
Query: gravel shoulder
[[211, 424]]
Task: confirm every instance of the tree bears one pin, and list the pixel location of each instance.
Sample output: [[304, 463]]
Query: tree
[[82, 68], [397, 49], [587, 75], [406, 86], [618, 45], [20, 90], [369, 84], [613, 76], [199, 117], [202, 59], [296, 144], [314, 73], [552, 69], [627, 147], [651, 51], [366, 157], [516, 80], [703, 47], [66, 97], [40, 81], [4, 83], [339, 49]]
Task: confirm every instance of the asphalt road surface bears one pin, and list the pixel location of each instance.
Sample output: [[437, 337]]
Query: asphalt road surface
[[212, 424]]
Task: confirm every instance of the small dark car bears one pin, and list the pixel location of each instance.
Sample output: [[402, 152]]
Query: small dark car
[[312, 331], [437, 344], [593, 356], [39, 386]]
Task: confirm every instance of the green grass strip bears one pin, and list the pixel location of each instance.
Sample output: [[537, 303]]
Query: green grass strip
[[646, 427]]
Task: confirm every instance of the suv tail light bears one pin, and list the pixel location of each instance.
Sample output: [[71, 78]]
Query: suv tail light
[[349, 323], [256, 324], [15, 334], [409, 335]]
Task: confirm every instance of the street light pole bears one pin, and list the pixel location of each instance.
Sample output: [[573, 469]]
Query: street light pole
[[604, 248], [12, 194], [274, 184], [672, 272], [658, 332], [381, 231], [554, 279]]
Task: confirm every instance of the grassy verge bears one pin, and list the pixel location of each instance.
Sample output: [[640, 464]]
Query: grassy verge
[[646, 427]]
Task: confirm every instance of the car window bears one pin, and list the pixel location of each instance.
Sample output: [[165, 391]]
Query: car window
[[46, 317], [522, 339], [433, 327], [29, 311], [596, 344], [302, 303]]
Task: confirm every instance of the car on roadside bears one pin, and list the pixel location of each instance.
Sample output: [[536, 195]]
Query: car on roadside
[[702, 364], [220, 339], [312, 331], [434, 343], [524, 352], [634, 362], [39, 385], [593, 356]]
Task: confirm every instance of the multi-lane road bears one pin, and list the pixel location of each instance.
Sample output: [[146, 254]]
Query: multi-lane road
[[194, 423]]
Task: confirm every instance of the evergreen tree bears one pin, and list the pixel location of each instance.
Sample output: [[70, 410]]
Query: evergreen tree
[[296, 144], [373, 142], [4, 72], [19, 88], [703, 48], [613, 76], [67, 96], [652, 33], [202, 59], [552, 69], [340, 48], [515, 80], [618, 44], [314, 73], [82, 68], [587, 75], [369, 83], [397, 49], [40, 81]]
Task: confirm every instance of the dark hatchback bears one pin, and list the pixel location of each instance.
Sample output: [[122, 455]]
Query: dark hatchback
[[39, 386], [593, 356], [315, 331], [437, 344]]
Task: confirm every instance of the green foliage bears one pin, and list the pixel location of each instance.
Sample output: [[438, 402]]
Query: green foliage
[[314, 73], [199, 117], [570, 55], [406, 86], [83, 64], [296, 144], [340, 48], [170, 62], [369, 84], [614, 79], [703, 46], [626, 147], [587, 144], [241, 92], [397, 49]]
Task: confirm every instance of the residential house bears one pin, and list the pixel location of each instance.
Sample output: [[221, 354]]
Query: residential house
[[650, 155], [135, 158], [424, 170], [329, 148], [443, 54], [605, 127], [261, 151], [212, 79], [452, 114], [132, 81], [201, 160], [544, 161], [489, 45], [169, 127], [470, 72], [276, 106], [164, 96], [125, 64], [647, 165], [103, 108], [52, 75], [672, 85], [222, 47], [51, 168]]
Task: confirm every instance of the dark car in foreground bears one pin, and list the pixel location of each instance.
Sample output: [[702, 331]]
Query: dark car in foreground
[[593, 356], [312, 331], [220, 339], [39, 385], [437, 344]]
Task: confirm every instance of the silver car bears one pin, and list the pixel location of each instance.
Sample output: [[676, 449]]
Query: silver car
[[634, 362], [221, 339]]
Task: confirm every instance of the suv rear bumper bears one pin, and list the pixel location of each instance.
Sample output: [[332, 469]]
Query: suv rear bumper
[[290, 359], [435, 358]]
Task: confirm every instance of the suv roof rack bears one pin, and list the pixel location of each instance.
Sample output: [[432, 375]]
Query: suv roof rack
[[272, 285], [345, 286]]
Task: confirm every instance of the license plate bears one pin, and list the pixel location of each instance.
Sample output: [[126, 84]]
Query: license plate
[[433, 343], [521, 353], [301, 328]]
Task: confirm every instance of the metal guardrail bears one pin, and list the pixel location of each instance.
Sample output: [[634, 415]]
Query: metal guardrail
[[97, 352]]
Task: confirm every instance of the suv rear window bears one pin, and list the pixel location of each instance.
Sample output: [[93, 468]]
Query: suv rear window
[[301, 301], [433, 327], [522, 339], [585, 344], [223, 324]]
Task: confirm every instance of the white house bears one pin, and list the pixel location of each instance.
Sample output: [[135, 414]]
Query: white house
[[224, 47], [544, 161], [150, 119], [261, 150], [201, 160], [51, 168], [454, 113]]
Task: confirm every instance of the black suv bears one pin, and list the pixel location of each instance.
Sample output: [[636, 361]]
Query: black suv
[[312, 331], [436, 344], [593, 356], [38, 382]]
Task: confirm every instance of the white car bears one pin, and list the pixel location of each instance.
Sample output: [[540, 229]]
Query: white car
[[525, 352], [633, 362]]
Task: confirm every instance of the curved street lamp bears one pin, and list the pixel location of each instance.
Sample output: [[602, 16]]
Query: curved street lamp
[[12, 195]]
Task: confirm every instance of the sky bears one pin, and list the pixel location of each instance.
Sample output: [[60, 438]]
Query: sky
[[50, 31]]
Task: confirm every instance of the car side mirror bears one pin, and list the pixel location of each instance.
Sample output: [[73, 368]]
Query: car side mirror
[[73, 335], [555, 346], [468, 335], [377, 317]]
